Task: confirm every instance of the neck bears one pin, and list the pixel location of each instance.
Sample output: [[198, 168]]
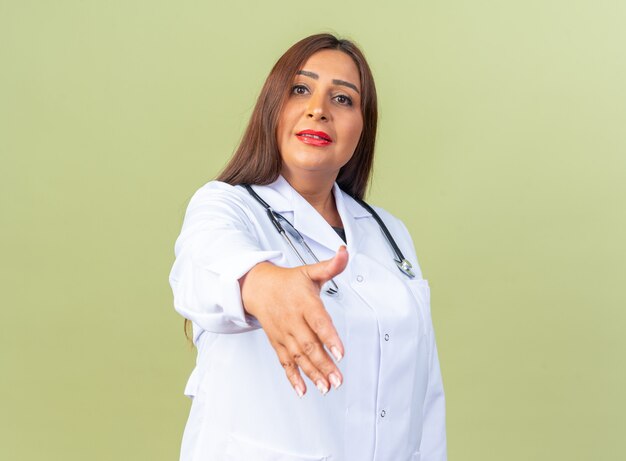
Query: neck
[[318, 191]]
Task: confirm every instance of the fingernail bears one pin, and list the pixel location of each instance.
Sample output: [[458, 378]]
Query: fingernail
[[321, 386], [336, 353], [299, 390], [334, 379]]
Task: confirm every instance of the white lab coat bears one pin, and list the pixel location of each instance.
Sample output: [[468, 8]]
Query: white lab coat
[[390, 406]]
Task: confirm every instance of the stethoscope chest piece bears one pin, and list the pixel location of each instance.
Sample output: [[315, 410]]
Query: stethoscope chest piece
[[406, 268], [286, 229]]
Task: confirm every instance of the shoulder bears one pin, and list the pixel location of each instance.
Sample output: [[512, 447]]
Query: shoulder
[[218, 190], [400, 233], [218, 194], [359, 209], [395, 224], [218, 203]]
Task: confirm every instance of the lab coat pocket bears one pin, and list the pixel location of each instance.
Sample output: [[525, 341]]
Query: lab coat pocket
[[239, 449], [421, 293]]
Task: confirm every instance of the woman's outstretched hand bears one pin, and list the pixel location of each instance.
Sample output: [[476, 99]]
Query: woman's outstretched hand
[[287, 304]]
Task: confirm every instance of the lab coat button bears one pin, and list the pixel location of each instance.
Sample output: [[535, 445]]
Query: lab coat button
[[383, 413], [386, 337], [359, 278]]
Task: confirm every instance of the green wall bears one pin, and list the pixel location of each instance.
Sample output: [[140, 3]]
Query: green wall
[[501, 146]]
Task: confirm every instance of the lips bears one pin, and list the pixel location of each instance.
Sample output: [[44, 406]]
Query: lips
[[314, 138]]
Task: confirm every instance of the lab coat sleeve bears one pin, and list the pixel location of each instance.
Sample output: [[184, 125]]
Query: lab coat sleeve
[[216, 247], [434, 444]]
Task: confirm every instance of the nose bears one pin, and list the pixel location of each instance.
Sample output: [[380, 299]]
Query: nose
[[316, 108]]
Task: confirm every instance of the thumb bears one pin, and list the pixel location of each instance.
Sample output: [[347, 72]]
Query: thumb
[[323, 271]]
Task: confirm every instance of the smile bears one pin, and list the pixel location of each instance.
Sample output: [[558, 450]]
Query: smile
[[315, 138]]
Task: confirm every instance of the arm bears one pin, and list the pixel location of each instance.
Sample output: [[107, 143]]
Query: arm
[[220, 267], [434, 444], [216, 247]]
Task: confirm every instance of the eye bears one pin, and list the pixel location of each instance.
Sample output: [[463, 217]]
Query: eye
[[299, 89], [343, 100]]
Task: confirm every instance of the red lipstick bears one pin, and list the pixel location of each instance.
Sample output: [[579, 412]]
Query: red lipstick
[[314, 138]]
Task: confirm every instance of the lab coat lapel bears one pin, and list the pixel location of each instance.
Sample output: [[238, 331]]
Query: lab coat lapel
[[286, 200], [351, 213], [310, 223]]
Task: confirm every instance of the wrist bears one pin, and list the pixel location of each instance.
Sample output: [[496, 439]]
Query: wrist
[[249, 284]]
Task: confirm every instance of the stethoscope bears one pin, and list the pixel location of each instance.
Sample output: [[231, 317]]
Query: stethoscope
[[286, 229]]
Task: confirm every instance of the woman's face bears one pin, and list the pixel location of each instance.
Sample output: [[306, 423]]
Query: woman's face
[[321, 120]]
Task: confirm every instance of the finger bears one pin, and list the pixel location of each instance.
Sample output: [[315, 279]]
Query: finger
[[325, 270], [291, 370], [320, 322], [310, 356]]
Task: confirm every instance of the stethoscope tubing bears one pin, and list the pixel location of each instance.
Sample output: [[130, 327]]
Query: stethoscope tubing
[[403, 264]]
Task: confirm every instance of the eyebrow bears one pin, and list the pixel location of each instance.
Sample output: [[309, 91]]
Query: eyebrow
[[313, 75]]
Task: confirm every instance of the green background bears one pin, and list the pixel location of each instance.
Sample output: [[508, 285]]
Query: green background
[[501, 146]]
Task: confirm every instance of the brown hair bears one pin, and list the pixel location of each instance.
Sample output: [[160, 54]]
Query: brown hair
[[257, 159]]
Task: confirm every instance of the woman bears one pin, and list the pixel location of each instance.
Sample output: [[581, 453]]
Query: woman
[[262, 308]]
